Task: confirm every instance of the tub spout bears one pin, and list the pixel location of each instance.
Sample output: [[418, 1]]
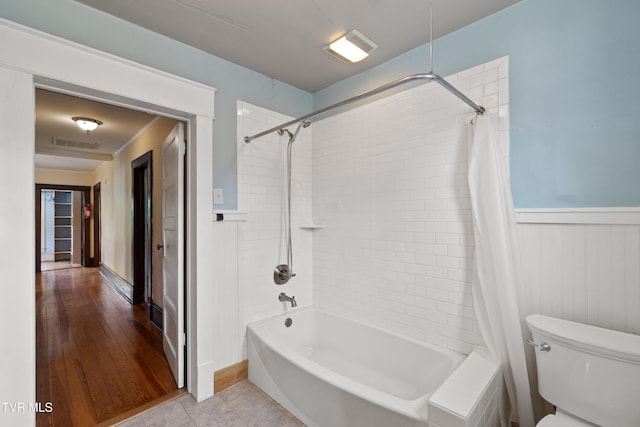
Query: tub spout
[[284, 297]]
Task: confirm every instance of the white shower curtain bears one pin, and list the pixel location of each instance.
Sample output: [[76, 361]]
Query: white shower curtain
[[497, 273]]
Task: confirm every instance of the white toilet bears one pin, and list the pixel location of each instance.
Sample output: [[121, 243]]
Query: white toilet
[[591, 374]]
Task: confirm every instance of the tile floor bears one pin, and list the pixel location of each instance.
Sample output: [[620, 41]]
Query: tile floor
[[241, 405], [57, 265]]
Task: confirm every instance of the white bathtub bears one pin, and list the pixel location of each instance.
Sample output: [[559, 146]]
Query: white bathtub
[[333, 372]]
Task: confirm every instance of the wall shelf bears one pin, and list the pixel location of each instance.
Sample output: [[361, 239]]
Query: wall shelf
[[312, 227], [229, 215]]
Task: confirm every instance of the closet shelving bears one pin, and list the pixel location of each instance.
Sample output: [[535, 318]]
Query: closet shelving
[[63, 232]]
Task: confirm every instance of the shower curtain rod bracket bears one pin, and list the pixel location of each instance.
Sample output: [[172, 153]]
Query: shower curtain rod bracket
[[428, 76]]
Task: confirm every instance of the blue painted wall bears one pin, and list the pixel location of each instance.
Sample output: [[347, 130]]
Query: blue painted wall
[[574, 71], [574, 67], [77, 22]]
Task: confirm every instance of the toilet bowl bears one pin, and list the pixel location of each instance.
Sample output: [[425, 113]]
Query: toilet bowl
[[591, 374]]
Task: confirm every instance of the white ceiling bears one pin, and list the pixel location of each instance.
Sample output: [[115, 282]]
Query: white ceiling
[[53, 121], [283, 39]]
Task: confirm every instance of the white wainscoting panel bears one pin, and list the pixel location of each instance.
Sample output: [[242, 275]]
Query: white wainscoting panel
[[587, 273], [224, 262], [613, 277]]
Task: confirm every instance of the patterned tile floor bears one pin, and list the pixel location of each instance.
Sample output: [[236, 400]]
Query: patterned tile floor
[[241, 405]]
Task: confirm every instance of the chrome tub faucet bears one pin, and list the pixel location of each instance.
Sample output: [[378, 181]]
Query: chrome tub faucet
[[284, 297]]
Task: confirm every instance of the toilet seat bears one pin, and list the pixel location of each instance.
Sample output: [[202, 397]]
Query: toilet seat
[[561, 420]]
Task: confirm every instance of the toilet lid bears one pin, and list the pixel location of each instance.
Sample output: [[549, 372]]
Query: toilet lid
[[560, 421]]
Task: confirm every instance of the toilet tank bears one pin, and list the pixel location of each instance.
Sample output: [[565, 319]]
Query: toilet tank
[[592, 373]]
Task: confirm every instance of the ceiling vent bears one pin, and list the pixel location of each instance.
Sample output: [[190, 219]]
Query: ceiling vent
[[75, 144]]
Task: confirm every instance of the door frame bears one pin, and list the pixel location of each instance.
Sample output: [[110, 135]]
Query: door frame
[[141, 228], [97, 227], [89, 72], [197, 376], [86, 225]]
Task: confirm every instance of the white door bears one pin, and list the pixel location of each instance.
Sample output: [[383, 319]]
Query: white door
[[173, 258]]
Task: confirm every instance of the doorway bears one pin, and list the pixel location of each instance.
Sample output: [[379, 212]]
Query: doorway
[[142, 203], [62, 231], [97, 225], [143, 244], [128, 246], [146, 89]]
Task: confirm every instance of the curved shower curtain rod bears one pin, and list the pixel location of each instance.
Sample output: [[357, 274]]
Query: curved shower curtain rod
[[430, 77]]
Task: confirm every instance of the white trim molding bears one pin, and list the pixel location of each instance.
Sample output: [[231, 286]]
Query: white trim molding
[[229, 215], [30, 59], [615, 216]]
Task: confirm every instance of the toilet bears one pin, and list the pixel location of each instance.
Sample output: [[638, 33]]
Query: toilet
[[590, 374]]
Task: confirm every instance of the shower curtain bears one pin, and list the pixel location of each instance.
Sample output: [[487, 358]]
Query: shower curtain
[[497, 273]]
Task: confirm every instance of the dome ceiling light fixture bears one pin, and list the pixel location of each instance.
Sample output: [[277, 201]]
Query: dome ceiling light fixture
[[86, 124]]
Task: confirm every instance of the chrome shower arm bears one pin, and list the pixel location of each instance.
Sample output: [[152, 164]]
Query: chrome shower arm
[[430, 76], [302, 124]]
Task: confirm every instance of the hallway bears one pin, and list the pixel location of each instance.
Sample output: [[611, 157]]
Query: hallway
[[97, 355]]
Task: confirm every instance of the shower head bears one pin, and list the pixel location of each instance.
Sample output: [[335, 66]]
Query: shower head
[[283, 130], [292, 136]]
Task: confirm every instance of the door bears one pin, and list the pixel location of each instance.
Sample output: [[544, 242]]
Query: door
[[173, 151]]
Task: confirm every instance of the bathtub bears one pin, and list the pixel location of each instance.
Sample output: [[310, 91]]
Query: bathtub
[[333, 372]]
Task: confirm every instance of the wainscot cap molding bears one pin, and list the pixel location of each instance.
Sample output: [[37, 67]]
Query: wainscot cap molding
[[229, 215], [614, 216]]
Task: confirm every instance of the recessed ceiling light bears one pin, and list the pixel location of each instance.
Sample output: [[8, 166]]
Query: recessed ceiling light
[[352, 47]]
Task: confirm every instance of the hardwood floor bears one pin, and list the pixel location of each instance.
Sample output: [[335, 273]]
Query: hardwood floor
[[97, 355]]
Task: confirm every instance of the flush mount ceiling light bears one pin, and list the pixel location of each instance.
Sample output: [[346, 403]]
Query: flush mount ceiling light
[[86, 124], [352, 47]]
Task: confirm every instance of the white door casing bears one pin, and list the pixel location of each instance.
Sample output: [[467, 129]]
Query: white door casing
[[27, 63], [173, 332]]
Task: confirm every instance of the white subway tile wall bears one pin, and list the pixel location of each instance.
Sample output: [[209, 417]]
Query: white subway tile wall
[[390, 185], [388, 181], [261, 194]]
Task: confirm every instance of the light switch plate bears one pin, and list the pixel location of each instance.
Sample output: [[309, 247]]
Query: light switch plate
[[218, 196]]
